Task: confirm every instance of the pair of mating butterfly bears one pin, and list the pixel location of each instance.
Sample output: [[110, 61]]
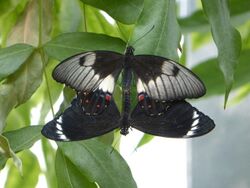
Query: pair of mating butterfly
[[162, 85]]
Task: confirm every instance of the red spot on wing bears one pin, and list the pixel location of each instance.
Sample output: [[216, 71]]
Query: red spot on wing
[[141, 97], [108, 97]]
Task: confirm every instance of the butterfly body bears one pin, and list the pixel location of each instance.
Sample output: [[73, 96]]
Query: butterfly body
[[162, 85], [126, 89]]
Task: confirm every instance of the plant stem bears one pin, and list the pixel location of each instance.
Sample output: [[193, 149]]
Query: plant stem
[[42, 53]]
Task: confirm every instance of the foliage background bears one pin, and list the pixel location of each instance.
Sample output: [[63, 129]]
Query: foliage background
[[36, 34]]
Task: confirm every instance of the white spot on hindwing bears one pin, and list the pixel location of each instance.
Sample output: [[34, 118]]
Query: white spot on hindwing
[[89, 59], [190, 133], [195, 115], [195, 123], [107, 84], [59, 132], [59, 127], [63, 137]]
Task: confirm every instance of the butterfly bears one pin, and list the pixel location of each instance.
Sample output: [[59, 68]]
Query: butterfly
[[162, 87]]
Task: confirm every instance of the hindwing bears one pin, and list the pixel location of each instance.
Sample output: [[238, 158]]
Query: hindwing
[[74, 124], [176, 119]]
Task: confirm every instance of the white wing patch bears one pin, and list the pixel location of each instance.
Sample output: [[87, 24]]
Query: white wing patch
[[63, 137], [107, 85], [140, 87], [89, 59], [82, 74], [170, 82]]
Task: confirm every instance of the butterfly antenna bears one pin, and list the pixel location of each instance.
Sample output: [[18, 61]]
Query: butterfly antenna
[[144, 35]]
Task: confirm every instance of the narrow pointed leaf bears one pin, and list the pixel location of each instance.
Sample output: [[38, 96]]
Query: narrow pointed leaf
[[144, 140], [226, 37], [215, 83]]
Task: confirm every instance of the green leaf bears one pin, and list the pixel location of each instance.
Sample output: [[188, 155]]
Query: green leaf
[[11, 58], [226, 37], [107, 138], [31, 171], [49, 88], [19, 87], [22, 115], [68, 95], [19, 117], [97, 23], [6, 152], [26, 30], [163, 39], [125, 11], [5, 6], [9, 19], [210, 74], [23, 138], [195, 22], [242, 93], [19, 140], [239, 12], [95, 160], [68, 175], [49, 154], [68, 17], [125, 30], [144, 140], [66, 45]]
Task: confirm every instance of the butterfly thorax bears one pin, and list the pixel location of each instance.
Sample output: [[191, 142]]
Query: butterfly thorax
[[129, 51]]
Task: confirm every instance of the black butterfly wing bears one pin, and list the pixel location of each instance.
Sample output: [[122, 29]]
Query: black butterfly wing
[[164, 79], [74, 124], [90, 71], [177, 120]]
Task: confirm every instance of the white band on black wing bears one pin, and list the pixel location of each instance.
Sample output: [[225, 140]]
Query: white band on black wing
[[164, 79], [90, 71]]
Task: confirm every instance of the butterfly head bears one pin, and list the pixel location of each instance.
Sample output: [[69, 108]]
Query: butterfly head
[[124, 131], [130, 50]]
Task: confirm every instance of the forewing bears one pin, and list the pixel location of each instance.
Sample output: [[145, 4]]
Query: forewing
[[164, 79], [90, 71], [74, 124], [178, 120]]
